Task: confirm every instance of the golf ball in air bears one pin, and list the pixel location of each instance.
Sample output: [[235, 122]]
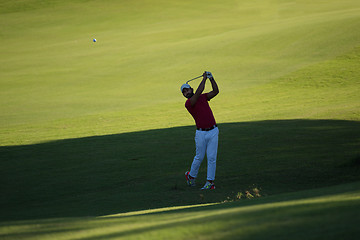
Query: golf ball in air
[[94, 40]]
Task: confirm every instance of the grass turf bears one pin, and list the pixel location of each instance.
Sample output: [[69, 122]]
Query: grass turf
[[91, 129], [118, 173], [326, 213], [55, 82]]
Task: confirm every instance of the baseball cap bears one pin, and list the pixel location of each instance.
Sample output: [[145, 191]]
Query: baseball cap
[[185, 85]]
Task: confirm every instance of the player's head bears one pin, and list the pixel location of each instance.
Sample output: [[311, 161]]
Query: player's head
[[186, 90]]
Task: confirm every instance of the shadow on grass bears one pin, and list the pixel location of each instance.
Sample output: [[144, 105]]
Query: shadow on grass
[[142, 170]]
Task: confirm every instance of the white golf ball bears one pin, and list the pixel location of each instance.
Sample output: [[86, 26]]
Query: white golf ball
[[94, 40]]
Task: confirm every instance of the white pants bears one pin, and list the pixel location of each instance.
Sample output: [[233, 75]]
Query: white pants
[[206, 143]]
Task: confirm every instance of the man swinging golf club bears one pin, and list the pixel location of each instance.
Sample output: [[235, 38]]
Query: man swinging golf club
[[206, 136]]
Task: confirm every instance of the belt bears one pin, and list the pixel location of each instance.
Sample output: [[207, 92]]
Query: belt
[[207, 129]]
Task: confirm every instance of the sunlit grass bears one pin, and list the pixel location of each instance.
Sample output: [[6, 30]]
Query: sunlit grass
[[56, 83]]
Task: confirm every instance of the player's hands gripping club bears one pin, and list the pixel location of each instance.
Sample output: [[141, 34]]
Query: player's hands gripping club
[[205, 75], [209, 75]]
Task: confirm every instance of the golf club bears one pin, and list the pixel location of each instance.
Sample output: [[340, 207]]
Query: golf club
[[194, 79]]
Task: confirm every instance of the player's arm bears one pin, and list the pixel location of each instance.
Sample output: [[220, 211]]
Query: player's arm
[[215, 89], [199, 91]]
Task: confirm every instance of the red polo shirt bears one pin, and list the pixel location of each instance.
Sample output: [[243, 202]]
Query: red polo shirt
[[201, 112]]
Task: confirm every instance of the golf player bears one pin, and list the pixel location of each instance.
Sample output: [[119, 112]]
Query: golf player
[[206, 136]]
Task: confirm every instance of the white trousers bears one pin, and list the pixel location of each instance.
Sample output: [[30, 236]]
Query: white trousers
[[206, 143]]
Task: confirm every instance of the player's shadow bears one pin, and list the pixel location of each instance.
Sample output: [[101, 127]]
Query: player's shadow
[[102, 175]]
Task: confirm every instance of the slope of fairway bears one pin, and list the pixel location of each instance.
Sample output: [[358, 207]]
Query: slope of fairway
[[56, 83], [93, 129]]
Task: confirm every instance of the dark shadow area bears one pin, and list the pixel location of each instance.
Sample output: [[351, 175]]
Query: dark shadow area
[[110, 174]]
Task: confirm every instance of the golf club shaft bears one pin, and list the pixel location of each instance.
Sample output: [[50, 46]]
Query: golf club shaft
[[194, 78]]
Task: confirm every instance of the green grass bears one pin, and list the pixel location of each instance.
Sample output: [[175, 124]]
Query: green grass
[[55, 82], [100, 129], [143, 170], [327, 213]]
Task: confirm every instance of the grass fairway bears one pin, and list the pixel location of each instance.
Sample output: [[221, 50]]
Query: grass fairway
[[95, 139], [57, 84]]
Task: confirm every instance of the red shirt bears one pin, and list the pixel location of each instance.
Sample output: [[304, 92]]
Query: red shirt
[[201, 112]]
